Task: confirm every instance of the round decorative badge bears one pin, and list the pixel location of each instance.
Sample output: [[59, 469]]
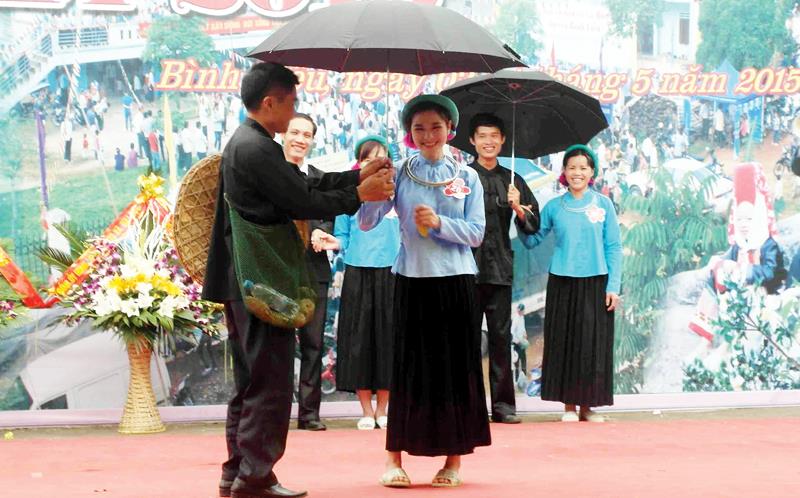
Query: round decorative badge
[[596, 214], [457, 189]]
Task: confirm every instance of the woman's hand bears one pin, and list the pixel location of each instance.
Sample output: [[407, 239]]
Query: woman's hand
[[323, 241], [612, 301], [425, 216]]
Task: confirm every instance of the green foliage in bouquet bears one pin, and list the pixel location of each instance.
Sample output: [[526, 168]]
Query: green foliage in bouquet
[[78, 243]]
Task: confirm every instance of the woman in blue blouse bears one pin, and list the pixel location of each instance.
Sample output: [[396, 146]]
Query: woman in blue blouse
[[582, 291], [364, 334], [438, 403]]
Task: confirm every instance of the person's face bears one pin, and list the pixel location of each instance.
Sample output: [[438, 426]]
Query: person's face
[[376, 152], [488, 142], [578, 172], [279, 106], [429, 132], [743, 219], [298, 139]]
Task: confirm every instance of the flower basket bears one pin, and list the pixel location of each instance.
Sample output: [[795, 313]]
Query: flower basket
[[140, 415]]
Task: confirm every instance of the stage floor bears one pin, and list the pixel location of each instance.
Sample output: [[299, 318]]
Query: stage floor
[[734, 453]]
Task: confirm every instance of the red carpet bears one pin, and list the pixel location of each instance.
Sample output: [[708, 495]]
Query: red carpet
[[684, 458]]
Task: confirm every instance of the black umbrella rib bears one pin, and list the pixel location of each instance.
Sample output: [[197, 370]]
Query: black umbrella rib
[[508, 98], [344, 62], [544, 97], [599, 116], [476, 91], [429, 28], [489, 67], [537, 90], [572, 98]]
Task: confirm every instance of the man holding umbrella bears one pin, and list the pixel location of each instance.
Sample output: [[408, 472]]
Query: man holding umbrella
[[494, 257], [266, 190]]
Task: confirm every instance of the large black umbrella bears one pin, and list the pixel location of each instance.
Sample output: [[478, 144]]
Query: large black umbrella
[[544, 115], [386, 36]]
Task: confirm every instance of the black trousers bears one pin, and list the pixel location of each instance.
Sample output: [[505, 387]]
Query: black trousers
[[258, 414], [310, 389], [495, 302]]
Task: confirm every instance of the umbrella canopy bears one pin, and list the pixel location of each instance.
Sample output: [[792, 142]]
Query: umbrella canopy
[[386, 36], [542, 115]]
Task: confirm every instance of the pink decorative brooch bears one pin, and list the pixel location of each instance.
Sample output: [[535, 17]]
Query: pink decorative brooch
[[457, 189], [596, 214]]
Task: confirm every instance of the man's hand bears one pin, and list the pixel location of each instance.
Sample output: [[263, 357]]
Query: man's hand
[[513, 196], [513, 201], [324, 241], [425, 216], [373, 166], [379, 186]]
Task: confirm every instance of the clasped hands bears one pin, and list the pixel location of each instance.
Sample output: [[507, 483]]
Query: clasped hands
[[376, 180]]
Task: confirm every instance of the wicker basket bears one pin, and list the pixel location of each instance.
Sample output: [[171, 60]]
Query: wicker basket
[[194, 215], [140, 415]]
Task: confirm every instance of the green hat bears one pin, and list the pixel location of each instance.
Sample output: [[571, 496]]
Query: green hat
[[586, 149], [440, 100], [371, 138]]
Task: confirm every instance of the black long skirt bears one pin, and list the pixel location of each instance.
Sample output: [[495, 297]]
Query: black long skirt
[[437, 404], [365, 335], [578, 361]]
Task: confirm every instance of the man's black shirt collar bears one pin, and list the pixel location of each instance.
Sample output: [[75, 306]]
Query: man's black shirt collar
[[252, 123], [481, 169]]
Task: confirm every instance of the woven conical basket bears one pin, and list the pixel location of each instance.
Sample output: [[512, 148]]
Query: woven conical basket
[[140, 415], [194, 215]]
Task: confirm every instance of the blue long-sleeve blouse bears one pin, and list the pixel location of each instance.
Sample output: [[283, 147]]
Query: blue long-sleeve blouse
[[377, 248], [587, 237], [459, 205]]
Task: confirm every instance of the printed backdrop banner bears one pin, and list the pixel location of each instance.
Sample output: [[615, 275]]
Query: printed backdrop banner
[[697, 160]]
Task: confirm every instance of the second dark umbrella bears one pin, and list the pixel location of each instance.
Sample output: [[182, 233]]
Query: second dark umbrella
[[545, 115]]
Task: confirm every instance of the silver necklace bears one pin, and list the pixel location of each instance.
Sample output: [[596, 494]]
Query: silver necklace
[[415, 179], [580, 209]]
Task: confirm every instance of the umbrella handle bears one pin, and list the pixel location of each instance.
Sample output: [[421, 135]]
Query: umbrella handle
[[513, 140], [386, 111]]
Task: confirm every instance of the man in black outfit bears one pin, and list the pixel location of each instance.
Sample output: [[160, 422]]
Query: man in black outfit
[[495, 258], [297, 144], [267, 190]]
